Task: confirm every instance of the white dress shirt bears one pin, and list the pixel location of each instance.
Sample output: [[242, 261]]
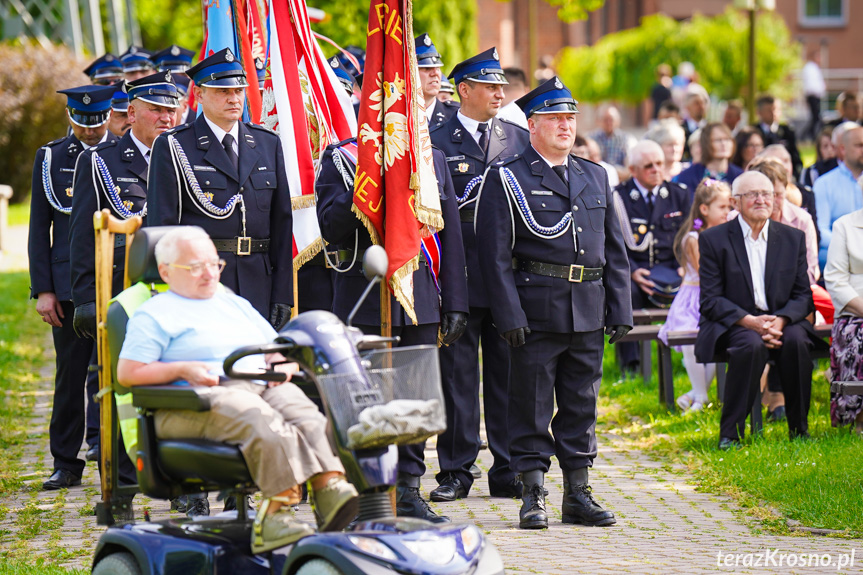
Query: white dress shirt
[[145, 151], [644, 191], [470, 125], [220, 133], [756, 251]]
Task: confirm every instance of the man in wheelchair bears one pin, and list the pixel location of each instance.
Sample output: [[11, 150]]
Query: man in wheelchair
[[182, 336]]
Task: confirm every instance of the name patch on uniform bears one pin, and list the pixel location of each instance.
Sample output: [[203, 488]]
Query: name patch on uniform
[[673, 215], [127, 179], [541, 193], [204, 168], [454, 158], [262, 168], [638, 221], [72, 170]]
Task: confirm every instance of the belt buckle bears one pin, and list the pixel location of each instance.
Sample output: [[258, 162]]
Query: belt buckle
[[331, 257], [240, 250], [572, 269]]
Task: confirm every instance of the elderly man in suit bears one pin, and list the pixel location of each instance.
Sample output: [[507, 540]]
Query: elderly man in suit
[[755, 297], [555, 267]]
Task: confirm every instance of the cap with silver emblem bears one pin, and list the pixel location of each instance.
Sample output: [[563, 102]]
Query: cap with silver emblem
[[221, 70], [346, 78], [427, 54], [120, 99], [483, 68], [174, 58], [550, 97], [105, 70], [88, 106], [136, 59], [158, 89]]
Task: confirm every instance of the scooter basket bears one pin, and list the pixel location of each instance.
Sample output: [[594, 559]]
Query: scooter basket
[[395, 399]]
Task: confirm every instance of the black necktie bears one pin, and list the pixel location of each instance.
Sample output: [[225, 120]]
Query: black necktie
[[483, 137], [651, 201], [228, 142], [560, 171]]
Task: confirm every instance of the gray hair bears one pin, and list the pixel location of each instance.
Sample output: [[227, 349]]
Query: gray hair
[[666, 131], [168, 247], [745, 177], [840, 130], [636, 153], [773, 151]]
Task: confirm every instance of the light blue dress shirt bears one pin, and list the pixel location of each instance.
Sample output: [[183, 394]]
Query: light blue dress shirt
[[836, 194]]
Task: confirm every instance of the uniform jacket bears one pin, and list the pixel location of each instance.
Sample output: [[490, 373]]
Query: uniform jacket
[[128, 171], [261, 277], [443, 111], [667, 216], [340, 226], [465, 163], [49, 258], [727, 294], [543, 303]]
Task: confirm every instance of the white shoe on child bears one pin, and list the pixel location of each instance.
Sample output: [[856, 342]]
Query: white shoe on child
[[684, 402]]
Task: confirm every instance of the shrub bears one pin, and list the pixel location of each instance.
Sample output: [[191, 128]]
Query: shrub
[[31, 112]]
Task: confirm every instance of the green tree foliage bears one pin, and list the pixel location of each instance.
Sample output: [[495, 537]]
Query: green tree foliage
[[572, 10], [31, 112], [621, 65], [166, 22], [450, 23]]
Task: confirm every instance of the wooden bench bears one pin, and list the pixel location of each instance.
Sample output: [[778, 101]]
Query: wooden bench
[[644, 318], [847, 387], [679, 338]]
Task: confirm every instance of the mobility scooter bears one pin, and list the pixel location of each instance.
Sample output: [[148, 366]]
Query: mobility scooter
[[375, 398]]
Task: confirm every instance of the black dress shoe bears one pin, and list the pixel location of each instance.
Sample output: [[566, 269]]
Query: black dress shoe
[[179, 504], [449, 489], [231, 503], [409, 502], [198, 507], [511, 490], [475, 471], [579, 506], [777, 414], [60, 479], [93, 454], [532, 514], [726, 443]]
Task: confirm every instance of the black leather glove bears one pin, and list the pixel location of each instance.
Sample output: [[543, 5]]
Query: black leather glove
[[280, 313], [452, 326], [84, 320], [515, 337], [616, 332]]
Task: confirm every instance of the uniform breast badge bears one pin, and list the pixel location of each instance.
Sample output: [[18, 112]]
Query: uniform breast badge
[[642, 229], [209, 195], [463, 167], [69, 192], [128, 205]]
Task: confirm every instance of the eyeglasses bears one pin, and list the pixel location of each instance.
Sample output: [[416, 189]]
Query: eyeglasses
[[721, 140], [651, 166], [755, 194], [197, 269]]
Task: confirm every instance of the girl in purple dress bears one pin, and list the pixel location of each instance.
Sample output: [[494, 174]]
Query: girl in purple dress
[[710, 207]]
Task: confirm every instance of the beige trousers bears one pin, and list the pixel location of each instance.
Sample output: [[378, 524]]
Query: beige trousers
[[280, 432]]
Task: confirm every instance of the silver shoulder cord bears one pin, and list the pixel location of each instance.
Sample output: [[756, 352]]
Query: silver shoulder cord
[[348, 180], [476, 207], [48, 185], [625, 228]]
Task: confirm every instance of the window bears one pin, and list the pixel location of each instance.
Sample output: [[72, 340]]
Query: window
[[823, 13]]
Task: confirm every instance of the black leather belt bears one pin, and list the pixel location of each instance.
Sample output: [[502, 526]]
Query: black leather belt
[[242, 246], [572, 273], [348, 255], [320, 260], [466, 215]]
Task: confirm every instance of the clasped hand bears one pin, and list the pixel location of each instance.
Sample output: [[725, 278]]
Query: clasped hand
[[769, 327]]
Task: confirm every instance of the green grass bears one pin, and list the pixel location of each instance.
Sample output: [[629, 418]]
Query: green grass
[[22, 336], [818, 483], [807, 153], [19, 214], [40, 567]]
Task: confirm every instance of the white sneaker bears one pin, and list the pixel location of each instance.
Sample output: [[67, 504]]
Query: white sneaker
[[684, 402]]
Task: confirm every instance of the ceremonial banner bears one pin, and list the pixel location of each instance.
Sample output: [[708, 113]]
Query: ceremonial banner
[[395, 189], [306, 104], [225, 27]]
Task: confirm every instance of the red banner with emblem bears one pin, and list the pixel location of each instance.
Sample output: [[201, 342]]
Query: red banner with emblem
[[395, 191]]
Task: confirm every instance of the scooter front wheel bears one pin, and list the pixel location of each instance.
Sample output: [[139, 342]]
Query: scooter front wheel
[[317, 567], [117, 564]]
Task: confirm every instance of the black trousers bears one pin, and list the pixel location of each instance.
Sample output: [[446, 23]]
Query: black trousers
[[814, 103], [411, 457], [747, 356], [458, 446], [549, 366], [66, 430]]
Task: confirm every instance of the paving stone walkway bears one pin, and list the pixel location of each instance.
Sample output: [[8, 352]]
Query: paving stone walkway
[[664, 525]]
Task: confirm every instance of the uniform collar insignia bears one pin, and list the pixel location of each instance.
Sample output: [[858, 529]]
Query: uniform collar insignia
[[498, 131], [663, 192], [634, 194], [128, 151]]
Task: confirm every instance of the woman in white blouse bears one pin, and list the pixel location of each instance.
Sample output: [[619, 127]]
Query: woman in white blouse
[[843, 276]]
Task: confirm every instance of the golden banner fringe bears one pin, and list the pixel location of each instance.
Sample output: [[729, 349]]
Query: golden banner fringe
[[404, 298], [430, 217], [303, 201], [307, 254], [373, 233]]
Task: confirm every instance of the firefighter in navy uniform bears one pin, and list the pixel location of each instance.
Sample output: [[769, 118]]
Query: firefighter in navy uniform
[[344, 232], [228, 177], [136, 63], [655, 210], [430, 65], [105, 70], [48, 250], [556, 271], [471, 140]]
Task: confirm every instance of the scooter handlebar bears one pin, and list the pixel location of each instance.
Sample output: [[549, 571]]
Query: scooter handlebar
[[267, 348]]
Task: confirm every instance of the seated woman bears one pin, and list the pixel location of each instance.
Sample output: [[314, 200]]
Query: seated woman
[[182, 336], [845, 284], [717, 149]]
